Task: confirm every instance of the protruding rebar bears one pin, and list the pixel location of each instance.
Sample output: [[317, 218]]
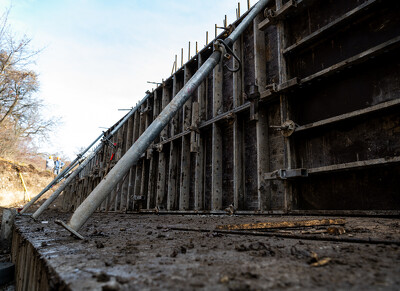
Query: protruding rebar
[[181, 57], [189, 52]]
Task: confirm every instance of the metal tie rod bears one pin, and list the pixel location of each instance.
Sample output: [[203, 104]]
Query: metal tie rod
[[54, 196], [97, 196]]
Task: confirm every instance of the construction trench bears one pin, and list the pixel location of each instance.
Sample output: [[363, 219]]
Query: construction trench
[[290, 116]]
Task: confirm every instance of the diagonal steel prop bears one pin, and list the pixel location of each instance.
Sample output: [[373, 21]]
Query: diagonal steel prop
[[61, 188], [97, 196], [60, 176]]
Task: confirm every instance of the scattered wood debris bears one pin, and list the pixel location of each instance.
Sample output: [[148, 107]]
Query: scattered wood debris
[[283, 224]]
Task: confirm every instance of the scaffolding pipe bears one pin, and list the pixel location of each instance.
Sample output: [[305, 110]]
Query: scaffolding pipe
[[54, 196], [59, 176], [103, 189]]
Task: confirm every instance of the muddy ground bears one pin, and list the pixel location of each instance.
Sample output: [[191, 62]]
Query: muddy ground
[[141, 252]]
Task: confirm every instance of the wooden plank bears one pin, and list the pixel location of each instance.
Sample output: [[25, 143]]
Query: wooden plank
[[283, 224], [262, 121], [185, 149], [199, 164], [216, 188], [238, 140]]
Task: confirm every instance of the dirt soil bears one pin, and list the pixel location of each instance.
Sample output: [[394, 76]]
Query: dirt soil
[[141, 252], [11, 188]]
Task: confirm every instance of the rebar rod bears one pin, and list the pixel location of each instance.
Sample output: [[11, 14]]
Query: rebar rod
[[97, 196]]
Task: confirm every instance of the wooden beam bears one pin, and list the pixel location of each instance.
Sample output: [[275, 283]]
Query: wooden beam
[[283, 224]]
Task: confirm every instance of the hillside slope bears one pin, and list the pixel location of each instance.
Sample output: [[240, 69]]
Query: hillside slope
[[11, 188]]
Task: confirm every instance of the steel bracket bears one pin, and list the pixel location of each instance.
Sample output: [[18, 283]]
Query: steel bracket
[[284, 174]]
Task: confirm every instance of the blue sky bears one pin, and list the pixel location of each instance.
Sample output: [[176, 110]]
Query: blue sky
[[98, 55]]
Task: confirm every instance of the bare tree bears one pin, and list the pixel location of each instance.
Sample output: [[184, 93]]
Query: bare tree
[[20, 108]]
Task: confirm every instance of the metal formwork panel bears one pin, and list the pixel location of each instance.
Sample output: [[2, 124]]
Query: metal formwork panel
[[331, 67]]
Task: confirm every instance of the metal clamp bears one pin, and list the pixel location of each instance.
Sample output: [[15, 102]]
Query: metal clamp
[[108, 142], [218, 43]]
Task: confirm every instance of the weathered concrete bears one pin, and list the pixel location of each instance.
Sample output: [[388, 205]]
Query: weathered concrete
[[142, 252]]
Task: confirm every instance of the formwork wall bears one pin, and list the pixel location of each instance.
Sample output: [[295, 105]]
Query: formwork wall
[[332, 67]]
